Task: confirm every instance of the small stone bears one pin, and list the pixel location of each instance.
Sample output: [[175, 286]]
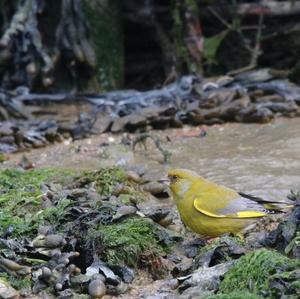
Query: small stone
[[97, 288], [166, 221], [124, 211], [133, 176], [7, 291], [80, 279], [98, 276], [156, 189]]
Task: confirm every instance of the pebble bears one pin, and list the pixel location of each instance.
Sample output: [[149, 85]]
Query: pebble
[[97, 288], [7, 291]]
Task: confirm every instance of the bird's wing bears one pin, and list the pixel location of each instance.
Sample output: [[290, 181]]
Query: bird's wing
[[226, 203], [275, 206]]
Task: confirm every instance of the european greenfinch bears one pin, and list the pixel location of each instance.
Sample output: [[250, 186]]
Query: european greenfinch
[[212, 210]]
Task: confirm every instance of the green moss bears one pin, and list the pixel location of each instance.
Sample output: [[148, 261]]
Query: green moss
[[104, 179], [17, 283], [21, 196], [2, 158], [125, 242], [234, 295], [254, 270], [295, 243], [104, 19]]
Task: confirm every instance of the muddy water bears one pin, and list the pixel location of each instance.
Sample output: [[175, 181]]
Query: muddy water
[[261, 159]]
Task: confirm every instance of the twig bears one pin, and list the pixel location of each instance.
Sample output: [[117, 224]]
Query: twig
[[142, 139], [255, 52], [220, 18]]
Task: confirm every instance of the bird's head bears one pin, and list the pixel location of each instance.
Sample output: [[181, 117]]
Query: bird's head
[[180, 180]]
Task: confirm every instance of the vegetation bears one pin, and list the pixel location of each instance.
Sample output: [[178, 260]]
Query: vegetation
[[254, 271]]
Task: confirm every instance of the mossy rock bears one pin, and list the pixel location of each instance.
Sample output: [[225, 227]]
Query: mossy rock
[[16, 282], [123, 243], [220, 250], [256, 270], [104, 179]]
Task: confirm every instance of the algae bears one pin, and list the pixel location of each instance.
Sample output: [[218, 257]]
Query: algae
[[254, 271]]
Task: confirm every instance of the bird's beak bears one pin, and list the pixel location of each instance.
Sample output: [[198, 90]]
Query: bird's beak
[[165, 180]]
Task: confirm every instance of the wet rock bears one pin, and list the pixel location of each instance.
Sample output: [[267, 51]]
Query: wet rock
[[119, 289], [191, 247], [223, 249], [97, 288], [203, 281], [285, 237], [154, 209], [99, 267], [183, 268], [157, 189], [130, 122], [124, 211], [166, 221], [14, 268], [49, 241], [126, 273], [133, 176], [80, 280], [7, 292]]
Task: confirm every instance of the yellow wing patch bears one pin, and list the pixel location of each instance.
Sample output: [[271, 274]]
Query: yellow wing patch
[[243, 214], [250, 214]]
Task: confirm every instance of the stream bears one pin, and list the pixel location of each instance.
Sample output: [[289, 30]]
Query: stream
[[262, 159]]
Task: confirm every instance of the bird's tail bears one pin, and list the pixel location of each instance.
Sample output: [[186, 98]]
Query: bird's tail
[[272, 206]]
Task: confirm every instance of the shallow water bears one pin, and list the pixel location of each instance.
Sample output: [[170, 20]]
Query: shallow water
[[259, 159]]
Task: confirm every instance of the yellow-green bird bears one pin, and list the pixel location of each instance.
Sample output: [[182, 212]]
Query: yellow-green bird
[[212, 210]]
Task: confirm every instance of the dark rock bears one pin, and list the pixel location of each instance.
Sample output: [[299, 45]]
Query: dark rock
[[224, 249], [191, 247], [284, 237], [126, 273], [183, 268], [203, 281]]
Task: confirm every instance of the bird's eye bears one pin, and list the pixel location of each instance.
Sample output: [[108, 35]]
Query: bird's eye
[[174, 178]]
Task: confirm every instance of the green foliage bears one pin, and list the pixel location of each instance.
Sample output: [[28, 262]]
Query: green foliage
[[123, 243], [254, 271], [234, 295], [104, 179], [211, 46]]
